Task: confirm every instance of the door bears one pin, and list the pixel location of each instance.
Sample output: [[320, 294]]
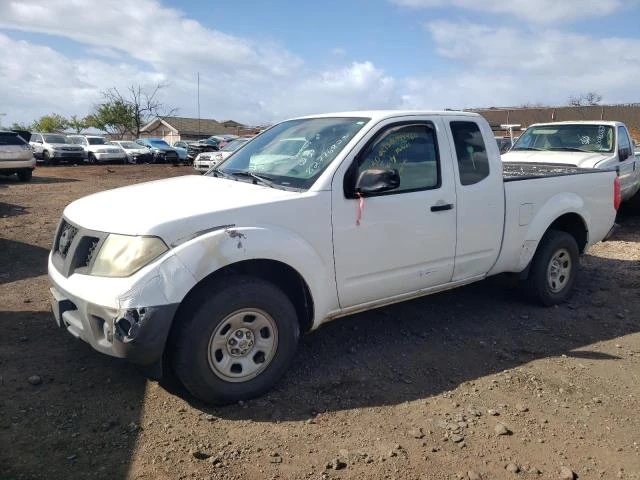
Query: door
[[480, 198], [627, 168], [402, 240]]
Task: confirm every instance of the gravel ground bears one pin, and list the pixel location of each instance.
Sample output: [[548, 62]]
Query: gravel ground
[[473, 383]]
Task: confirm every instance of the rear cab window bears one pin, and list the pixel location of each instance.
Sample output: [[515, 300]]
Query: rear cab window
[[11, 138], [471, 153]]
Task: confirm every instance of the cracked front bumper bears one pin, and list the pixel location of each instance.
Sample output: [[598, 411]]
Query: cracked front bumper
[[137, 334]]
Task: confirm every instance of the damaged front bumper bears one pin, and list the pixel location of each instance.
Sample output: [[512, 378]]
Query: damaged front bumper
[[137, 334]]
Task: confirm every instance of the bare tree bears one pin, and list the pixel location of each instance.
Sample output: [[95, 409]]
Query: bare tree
[[585, 99], [141, 103]]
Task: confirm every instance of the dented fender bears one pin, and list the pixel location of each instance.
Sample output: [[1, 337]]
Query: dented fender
[[216, 249]]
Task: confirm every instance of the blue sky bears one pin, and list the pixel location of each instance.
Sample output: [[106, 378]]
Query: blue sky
[[264, 61]]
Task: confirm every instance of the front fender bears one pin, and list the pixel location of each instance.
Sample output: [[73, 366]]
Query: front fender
[[212, 251]]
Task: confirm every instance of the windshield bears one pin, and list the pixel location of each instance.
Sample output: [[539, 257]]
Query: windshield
[[233, 146], [96, 141], [294, 153], [158, 143], [130, 145], [55, 139], [570, 137]]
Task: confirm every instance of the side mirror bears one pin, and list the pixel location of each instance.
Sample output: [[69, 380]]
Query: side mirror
[[624, 153], [38, 141], [377, 180]]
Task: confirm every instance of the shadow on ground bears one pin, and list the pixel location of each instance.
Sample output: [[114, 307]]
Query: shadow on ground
[[81, 421], [21, 260], [10, 210], [427, 346]]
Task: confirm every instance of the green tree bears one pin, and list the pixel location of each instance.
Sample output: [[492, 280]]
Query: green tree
[[78, 124], [50, 123], [132, 109], [114, 117]]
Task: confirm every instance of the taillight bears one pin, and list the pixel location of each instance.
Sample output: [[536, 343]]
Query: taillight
[[617, 198]]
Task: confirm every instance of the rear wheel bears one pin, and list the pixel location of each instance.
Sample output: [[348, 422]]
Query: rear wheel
[[554, 268], [236, 343], [25, 175]]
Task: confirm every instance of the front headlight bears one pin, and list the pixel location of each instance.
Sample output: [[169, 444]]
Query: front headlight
[[123, 255]]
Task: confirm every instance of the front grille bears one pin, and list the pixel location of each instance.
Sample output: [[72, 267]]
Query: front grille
[[66, 234], [75, 248]]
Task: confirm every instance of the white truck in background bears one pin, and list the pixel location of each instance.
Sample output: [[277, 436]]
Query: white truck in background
[[586, 144], [375, 208]]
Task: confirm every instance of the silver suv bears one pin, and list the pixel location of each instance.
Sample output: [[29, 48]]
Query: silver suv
[[99, 149], [16, 156], [54, 147]]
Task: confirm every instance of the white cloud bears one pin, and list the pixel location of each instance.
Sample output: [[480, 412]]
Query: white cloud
[[538, 11], [504, 66], [338, 51]]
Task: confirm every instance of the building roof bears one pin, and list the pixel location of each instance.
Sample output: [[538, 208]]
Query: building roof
[[628, 114], [191, 126]]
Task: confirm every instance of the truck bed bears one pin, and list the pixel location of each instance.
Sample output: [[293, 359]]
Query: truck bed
[[514, 171]]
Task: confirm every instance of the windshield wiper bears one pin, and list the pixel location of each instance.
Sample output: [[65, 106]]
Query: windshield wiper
[[217, 171], [570, 149], [257, 178], [528, 148]]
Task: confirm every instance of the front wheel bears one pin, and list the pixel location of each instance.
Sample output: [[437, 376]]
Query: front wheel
[[236, 340], [554, 268]]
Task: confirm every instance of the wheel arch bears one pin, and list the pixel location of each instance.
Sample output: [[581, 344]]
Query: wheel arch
[[276, 272]]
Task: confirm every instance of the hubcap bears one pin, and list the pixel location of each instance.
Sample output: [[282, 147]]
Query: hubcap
[[559, 270], [243, 345]]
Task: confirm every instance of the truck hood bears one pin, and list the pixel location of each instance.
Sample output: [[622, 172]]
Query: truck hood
[[171, 209], [579, 159]]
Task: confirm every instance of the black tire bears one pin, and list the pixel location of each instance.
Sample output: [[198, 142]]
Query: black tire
[[91, 158], [208, 316], [25, 175], [46, 158], [551, 283]]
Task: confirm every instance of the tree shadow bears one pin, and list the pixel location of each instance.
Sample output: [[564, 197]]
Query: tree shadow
[[21, 260], [10, 210], [36, 179], [427, 346], [82, 395]]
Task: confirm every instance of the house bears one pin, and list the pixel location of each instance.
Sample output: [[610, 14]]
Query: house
[[629, 114], [172, 129]]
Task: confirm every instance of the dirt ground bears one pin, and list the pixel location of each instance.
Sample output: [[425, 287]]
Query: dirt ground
[[473, 383]]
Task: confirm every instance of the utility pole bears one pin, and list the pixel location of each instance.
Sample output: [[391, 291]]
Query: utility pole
[[198, 105]]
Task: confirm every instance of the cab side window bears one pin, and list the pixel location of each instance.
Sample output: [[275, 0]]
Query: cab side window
[[411, 150], [624, 144], [473, 162]]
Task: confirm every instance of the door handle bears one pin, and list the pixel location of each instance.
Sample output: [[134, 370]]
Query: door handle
[[442, 208]]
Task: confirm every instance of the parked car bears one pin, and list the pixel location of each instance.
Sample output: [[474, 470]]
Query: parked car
[[378, 207], [54, 148], [204, 161], [182, 144], [135, 153], [162, 152], [98, 149], [591, 144], [504, 144], [195, 148], [16, 155]]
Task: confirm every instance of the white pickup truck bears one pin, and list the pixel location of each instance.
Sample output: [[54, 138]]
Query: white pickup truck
[[375, 208], [588, 144]]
